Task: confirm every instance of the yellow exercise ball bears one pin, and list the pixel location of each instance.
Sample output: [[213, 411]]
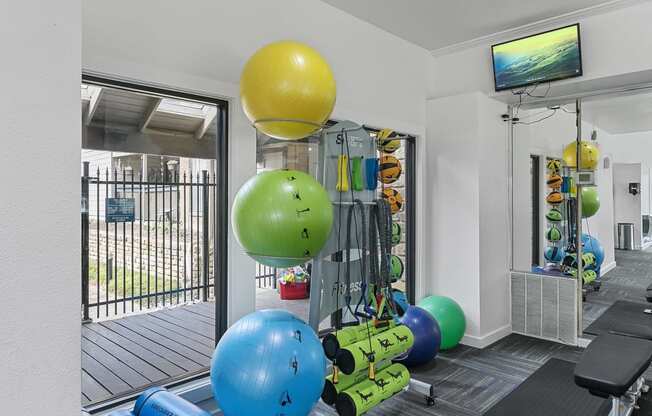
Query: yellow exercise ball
[[589, 155], [288, 81]]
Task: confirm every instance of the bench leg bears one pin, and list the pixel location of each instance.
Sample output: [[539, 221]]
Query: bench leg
[[625, 405]]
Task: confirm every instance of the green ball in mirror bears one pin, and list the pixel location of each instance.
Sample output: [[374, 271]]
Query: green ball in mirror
[[590, 201]]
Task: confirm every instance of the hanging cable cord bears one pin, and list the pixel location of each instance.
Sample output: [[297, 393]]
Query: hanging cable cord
[[363, 253], [338, 253], [364, 248]]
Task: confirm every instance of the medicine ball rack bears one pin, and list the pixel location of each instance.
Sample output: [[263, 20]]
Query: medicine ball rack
[[327, 296]]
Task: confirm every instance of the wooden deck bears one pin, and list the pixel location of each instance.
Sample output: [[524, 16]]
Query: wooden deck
[[133, 352], [136, 351]]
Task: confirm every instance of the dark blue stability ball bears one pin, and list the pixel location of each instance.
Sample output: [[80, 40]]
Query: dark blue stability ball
[[427, 336]]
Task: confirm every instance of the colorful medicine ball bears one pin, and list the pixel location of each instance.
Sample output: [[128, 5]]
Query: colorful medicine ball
[[555, 198], [554, 254], [553, 234], [554, 166], [396, 268], [390, 169], [554, 181], [592, 245], [396, 233], [387, 141], [394, 198], [554, 215]]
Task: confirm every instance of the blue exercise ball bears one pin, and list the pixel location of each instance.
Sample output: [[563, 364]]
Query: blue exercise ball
[[268, 363], [427, 336], [401, 301], [591, 244]]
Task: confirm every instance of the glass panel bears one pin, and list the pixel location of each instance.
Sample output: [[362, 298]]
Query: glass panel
[[150, 191]]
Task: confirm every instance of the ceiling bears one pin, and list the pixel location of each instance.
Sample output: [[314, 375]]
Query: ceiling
[[435, 24], [621, 114]]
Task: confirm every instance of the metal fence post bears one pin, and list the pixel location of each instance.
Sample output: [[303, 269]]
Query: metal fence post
[[205, 235], [84, 243]]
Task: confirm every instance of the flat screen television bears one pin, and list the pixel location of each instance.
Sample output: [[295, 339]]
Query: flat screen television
[[544, 57]]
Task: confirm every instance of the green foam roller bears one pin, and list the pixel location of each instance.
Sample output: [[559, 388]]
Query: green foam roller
[[356, 174], [384, 346], [364, 396], [331, 390], [350, 335]]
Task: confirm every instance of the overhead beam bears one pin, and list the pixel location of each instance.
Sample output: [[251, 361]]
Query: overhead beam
[[153, 108], [206, 123], [151, 142], [96, 96]]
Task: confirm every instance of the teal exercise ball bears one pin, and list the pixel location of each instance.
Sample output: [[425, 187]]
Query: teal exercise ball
[[590, 201], [450, 317], [268, 363], [282, 218]]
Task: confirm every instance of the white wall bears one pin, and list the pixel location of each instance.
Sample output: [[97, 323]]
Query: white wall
[[468, 203], [202, 46], [604, 57], [40, 228]]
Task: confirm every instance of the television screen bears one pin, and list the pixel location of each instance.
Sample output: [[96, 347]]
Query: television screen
[[545, 57]]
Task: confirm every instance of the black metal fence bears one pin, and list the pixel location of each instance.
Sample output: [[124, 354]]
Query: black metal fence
[[147, 242]]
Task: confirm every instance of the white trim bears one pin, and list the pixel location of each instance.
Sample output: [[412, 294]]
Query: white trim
[[488, 339], [583, 342], [536, 27], [606, 269]]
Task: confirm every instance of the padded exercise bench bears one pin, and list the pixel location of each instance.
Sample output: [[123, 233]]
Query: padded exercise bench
[[612, 367], [648, 293]]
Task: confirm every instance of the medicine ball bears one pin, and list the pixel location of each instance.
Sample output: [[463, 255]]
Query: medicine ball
[[555, 198], [394, 198], [554, 215], [554, 254], [554, 166], [390, 169], [396, 268], [554, 181], [553, 234], [396, 233], [387, 142]]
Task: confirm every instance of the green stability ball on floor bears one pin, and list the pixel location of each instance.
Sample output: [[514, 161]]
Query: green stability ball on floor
[[282, 218], [449, 316], [590, 201]]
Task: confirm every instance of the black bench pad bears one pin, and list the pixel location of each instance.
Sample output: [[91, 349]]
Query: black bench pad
[[648, 293], [612, 363], [623, 317]]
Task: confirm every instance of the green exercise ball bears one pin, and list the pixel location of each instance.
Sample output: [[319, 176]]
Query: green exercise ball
[[282, 218], [590, 201], [449, 316]]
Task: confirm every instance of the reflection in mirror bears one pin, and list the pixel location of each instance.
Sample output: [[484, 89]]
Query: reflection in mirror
[[615, 163]]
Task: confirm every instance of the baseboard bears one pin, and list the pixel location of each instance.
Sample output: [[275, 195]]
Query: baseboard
[[609, 267], [488, 339]]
